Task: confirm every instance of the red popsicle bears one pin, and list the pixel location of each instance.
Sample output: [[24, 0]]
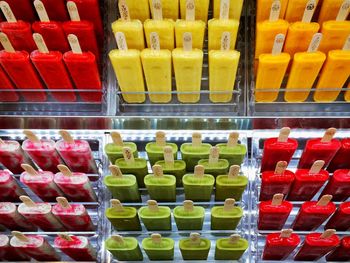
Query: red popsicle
[[51, 31], [341, 253], [56, 9], [83, 69], [23, 9], [273, 214], [9, 188], [5, 83], [308, 182], [340, 220], [320, 149], [279, 245], [52, 70], [313, 213], [341, 160], [278, 149], [316, 245], [10, 253], [338, 185], [278, 181]]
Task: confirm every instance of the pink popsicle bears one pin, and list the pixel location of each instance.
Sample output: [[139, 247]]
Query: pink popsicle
[[9, 188], [10, 253], [10, 218]]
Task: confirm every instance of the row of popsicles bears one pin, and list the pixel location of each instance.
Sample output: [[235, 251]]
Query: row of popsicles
[[279, 246], [47, 154], [23, 247], [274, 213], [162, 248], [30, 215]]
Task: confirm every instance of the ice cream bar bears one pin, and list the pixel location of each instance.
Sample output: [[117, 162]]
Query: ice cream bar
[[313, 213], [316, 245], [195, 151], [9, 188], [22, 9], [11, 219], [188, 216], [6, 83], [202, 8], [157, 67], [235, 9], [214, 165], [295, 9], [188, 64], [233, 151], [198, 186], [56, 9], [139, 9], [131, 165], [124, 248], [341, 253], [278, 149], [155, 217], [334, 34], [161, 187], [226, 217], [340, 220], [279, 246], [231, 248], [73, 216], [274, 213], [34, 246], [123, 218], [158, 247], [264, 7], [194, 247], [114, 150], [39, 214], [10, 253], [330, 10], [170, 9], [320, 149], [278, 181], [76, 247], [122, 186], [76, 186], [338, 185], [340, 160]]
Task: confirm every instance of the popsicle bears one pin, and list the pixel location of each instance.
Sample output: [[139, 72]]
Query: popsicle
[[114, 150], [188, 216], [170, 9], [264, 7], [132, 29], [195, 27], [139, 9], [21, 72], [161, 187], [11, 219], [316, 245], [23, 9], [188, 64], [52, 70], [340, 220], [198, 186], [279, 246], [76, 247], [320, 149], [338, 185], [342, 252], [194, 247], [126, 63], [202, 9], [124, 248], [214, 165], [156, 64], [235, 9], [83, 70], [278, 149], [226, 217], [19, 32], [123, 218], [56, 9], [10, 253], [226, 26], [295, 9], [329, 10], [304, 64], [42, 151], [122, 186], [274, 213], [39, 214], [233, 151], [340, 160], [195, 151], [75, 186], [155, 217], [51, 31], [231, 248], [158, 247], [313, 213], [72, 216], [171, 166], [131, 165], [9, 188], [6, 84]]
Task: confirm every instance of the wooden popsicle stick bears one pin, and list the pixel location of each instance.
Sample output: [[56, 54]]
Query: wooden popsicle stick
[[224, 9], [343, 11], [229, 204], [190, 10], [40, 43], [117, 138], [27, 201], [187, 41], [40, 9], [63, 202], [275, 10], [5, 42], [324, 200], [234, 238], [157, 170], [20, 236], [31, 136], [117, 205], [155, 42], [66, 136], [169, 156], [152, 205], [121, 41], [315, 42], [286, 233], [196, 139], [232, 139], [278, 44], [281, 166], [199, 171], [347, 43], [214, 155], [64, 170], [6, 10], [188, 205], [118, 238], [115, 170], [316, 167], [160, 137], [225, 41], [73, 11], [128, 156], [157, 9], [123, 10], [328, 135], [284, 134], [328, 233], [65, 236], [29, 169], [74, 44], [309, 11], [195, 239], [234, 171], [277, 199], [156, 238]]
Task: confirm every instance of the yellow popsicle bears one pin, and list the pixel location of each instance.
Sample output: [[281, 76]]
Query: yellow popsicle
[[139, 9], [295, 10], [133, 31], [235, 9], [218, 26], [197, 28], [170, 9], [202, 9], [264, 7], [334, 35], [329, 10], [334, 74]]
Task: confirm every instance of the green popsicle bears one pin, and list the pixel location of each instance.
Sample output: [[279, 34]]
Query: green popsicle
[[155, 149], [194, 247], [198, 186], [231, 185], [189, 217], [231, 248], [155, 217], [123, 218], [195, 151], [214, 165], [226, 217], [114, 150], [158, 248], [232, 151], [131, 165], [124, 248], [161, 187], [123, 187]]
